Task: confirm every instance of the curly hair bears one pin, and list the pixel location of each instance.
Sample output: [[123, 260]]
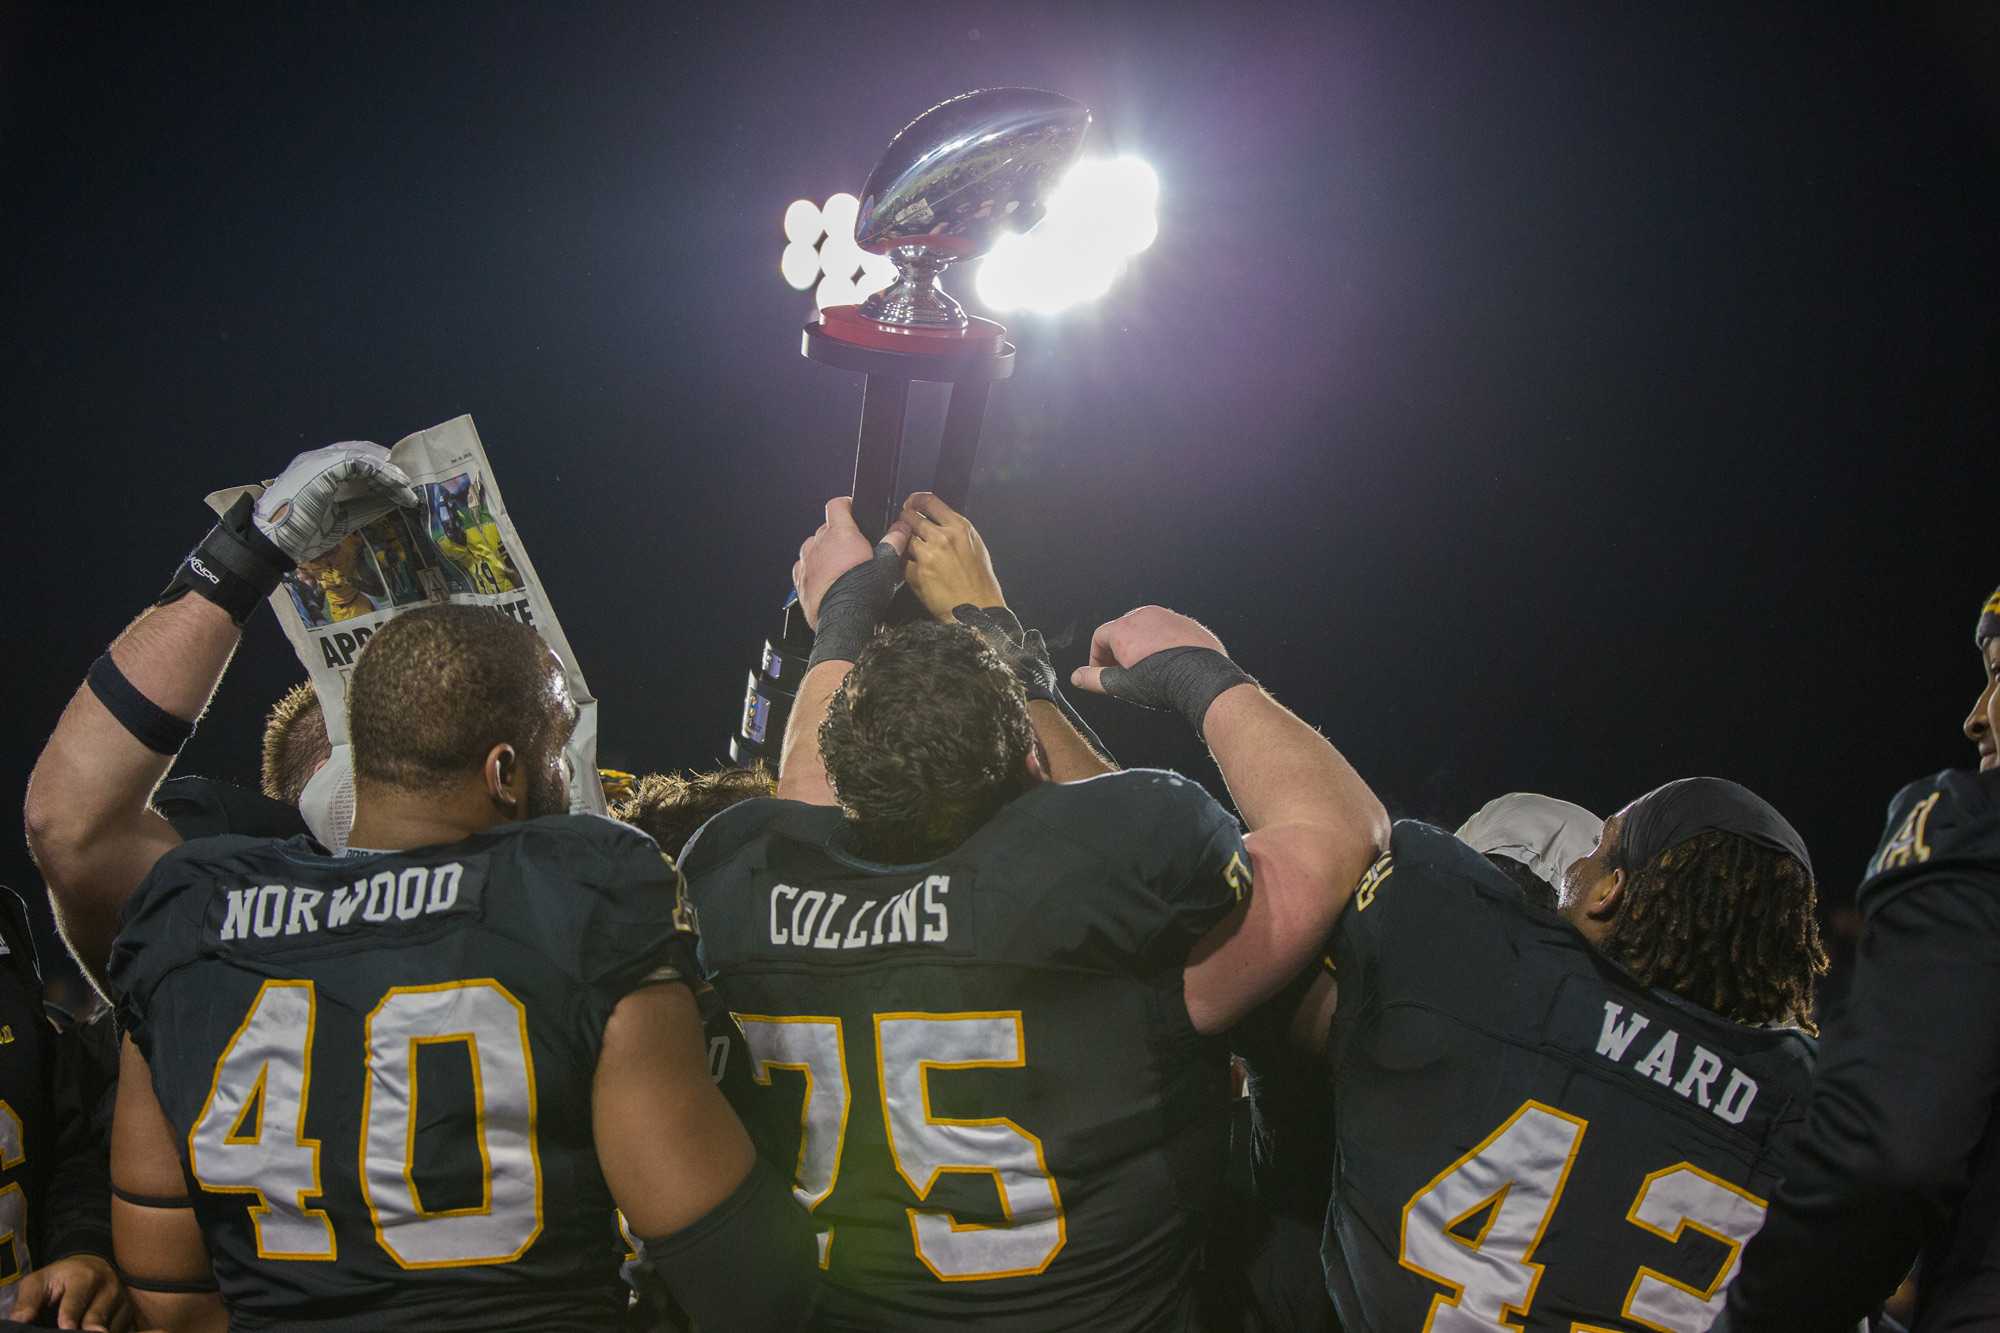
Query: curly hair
[[295, 743], [669, 807], [1728, 924], [928, 736]]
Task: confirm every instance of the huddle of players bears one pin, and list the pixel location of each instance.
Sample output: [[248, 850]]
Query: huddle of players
[[972, 1012]]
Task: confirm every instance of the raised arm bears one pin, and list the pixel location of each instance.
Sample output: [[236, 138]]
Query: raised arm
[[844, 588], [88, 823], [717, 1226], [89, 826], [1315, 827], [951, 573]]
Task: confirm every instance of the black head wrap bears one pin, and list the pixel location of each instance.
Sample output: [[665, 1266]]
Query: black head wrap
[[1989, 621], [1668, 816]]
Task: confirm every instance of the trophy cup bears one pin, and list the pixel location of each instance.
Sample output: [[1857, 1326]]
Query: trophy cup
[[949, 185]]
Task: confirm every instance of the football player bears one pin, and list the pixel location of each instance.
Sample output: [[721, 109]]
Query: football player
[[55, 1198], [401, 1088], [983, 1009], [1900, 1152], [669, 807], [1566, 1120], [90, 826]]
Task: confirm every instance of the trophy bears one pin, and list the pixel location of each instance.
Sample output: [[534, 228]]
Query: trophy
[[950, 184]]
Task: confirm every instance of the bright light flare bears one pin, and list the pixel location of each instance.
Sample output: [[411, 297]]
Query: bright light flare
[[822, 251], [1104, 212]]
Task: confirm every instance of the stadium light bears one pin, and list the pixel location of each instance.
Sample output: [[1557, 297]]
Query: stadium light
[[1104, 212], [820, 249]]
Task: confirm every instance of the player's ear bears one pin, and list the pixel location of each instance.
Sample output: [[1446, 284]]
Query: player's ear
[[1604, 897], [503, 776], [1037, 763]]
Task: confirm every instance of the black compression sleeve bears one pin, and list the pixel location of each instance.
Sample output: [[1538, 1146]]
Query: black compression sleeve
[[1906, 1085], [751, 1263]]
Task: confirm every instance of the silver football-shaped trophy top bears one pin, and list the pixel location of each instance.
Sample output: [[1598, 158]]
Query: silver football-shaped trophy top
[[952, 181]]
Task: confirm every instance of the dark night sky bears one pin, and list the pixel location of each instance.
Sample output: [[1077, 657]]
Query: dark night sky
[[1553, 397]]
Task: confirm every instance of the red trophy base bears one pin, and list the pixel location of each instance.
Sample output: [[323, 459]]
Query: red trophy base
[[891, 356]]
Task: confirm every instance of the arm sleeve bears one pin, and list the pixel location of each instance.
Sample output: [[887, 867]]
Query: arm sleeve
[[83, 1081], [1902, 1096]]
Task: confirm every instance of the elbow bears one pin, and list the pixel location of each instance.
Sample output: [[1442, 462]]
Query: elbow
[[53, 837]]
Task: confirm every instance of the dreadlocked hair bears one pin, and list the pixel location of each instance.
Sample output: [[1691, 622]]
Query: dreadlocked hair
[[926, 738], [1728, 924]]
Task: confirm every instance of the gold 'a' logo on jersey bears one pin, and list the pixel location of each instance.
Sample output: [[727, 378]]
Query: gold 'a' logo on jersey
[[1237, 875], [1908, 845], [1364, 892], [6, 1034]]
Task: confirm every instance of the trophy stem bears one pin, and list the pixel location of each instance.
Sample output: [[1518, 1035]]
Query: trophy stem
[[915, 300]]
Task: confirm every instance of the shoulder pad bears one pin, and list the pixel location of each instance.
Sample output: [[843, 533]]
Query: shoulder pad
[[204, 807], [727, 831], [1115, 809], [1950, 820], [1415, 843]]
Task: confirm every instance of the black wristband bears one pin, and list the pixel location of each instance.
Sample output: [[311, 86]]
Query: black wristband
[[854, 606], [150, 1200], [194, 1288], [1186, 680], [151, 725], [236, 566]]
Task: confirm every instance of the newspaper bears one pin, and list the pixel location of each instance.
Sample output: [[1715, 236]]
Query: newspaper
[[458, 546]]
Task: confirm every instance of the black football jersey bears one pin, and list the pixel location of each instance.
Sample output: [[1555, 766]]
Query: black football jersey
[[1525, 1136], [980, 1071], [1901, 1152], [379, 1065]]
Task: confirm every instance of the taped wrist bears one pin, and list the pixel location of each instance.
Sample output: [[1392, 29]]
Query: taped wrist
[[854, 606], [236, 566], [751, 1262], [1024, 652], [151, 725], [1186, 680]]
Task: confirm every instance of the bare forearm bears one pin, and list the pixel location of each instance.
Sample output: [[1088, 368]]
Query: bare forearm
[[801, 770], [1071, 757], [1281, 772]]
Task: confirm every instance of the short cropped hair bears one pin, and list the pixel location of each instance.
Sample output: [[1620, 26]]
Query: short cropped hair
[[669, 807], [1727, 923], [438, 687], [925, 740], [295, 743]]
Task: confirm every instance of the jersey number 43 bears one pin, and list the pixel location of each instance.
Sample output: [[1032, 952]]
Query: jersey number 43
[[1475, 1226]]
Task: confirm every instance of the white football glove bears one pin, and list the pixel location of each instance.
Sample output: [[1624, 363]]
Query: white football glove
[[324, 494]]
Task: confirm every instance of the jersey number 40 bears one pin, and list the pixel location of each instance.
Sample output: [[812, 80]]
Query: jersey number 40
[[1475, 1227], [250, 1137]]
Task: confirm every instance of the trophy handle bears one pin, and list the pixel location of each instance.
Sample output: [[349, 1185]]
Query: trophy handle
[[884, 403]]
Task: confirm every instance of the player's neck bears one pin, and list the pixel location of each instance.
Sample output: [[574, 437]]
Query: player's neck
[[393, 818]]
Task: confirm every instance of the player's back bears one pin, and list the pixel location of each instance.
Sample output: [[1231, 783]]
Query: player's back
[[982, 1068], [1527, 1137], [379, 1066]]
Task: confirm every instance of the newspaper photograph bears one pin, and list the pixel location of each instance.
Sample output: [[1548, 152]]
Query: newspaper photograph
[[458, 545]]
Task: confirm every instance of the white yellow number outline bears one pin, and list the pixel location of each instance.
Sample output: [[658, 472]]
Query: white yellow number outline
[[1496, 1201], [924, 1068], [486, 1183], [760, 1074], [13, 1215], [262, 1208], [1734, 1244]]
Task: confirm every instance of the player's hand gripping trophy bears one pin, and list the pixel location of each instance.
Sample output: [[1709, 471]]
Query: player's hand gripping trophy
[[950, 184]]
